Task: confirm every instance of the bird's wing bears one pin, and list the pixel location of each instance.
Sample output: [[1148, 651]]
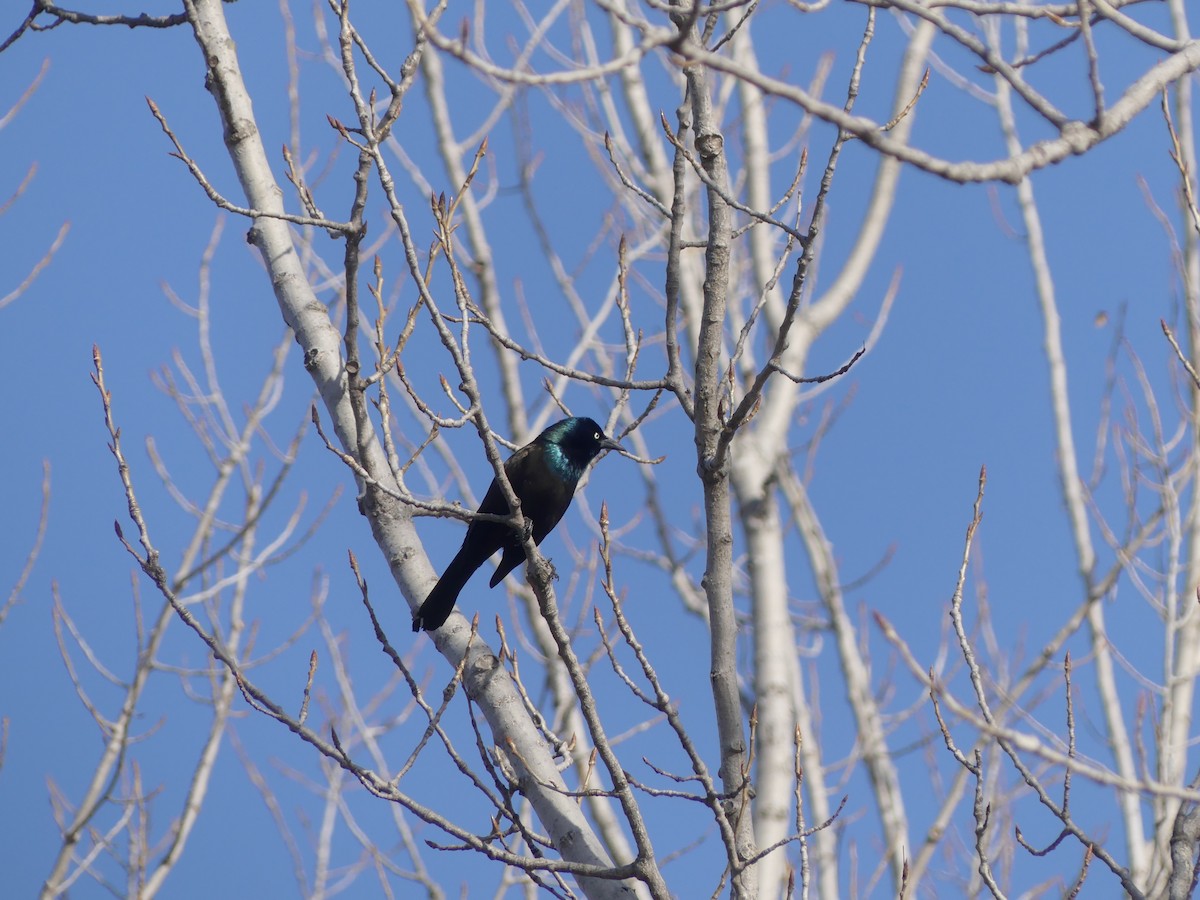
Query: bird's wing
[[493, 501], [545, 494]]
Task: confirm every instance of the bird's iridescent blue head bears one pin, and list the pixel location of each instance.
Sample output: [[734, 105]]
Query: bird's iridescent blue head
[[574, 442]]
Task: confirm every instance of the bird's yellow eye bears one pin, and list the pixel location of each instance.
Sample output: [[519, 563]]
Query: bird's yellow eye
[[596, 436]]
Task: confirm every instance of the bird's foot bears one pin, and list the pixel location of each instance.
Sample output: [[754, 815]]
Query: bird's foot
[[545, 570]]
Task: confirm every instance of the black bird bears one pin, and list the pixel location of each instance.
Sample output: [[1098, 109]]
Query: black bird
[[543, 474]]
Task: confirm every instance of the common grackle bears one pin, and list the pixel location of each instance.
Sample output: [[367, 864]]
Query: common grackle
[[543, 474]]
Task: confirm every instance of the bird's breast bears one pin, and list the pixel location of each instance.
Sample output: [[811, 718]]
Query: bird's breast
[[563, 466]]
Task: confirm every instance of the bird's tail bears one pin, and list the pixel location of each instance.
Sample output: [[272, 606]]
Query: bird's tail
[[436, 608]]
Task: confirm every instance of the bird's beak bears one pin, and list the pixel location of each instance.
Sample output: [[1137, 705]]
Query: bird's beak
[[610, 444]]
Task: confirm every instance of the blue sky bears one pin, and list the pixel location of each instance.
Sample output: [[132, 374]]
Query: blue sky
[[958, 380]]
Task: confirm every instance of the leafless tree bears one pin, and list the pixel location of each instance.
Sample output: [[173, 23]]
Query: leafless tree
[[696, 312]]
